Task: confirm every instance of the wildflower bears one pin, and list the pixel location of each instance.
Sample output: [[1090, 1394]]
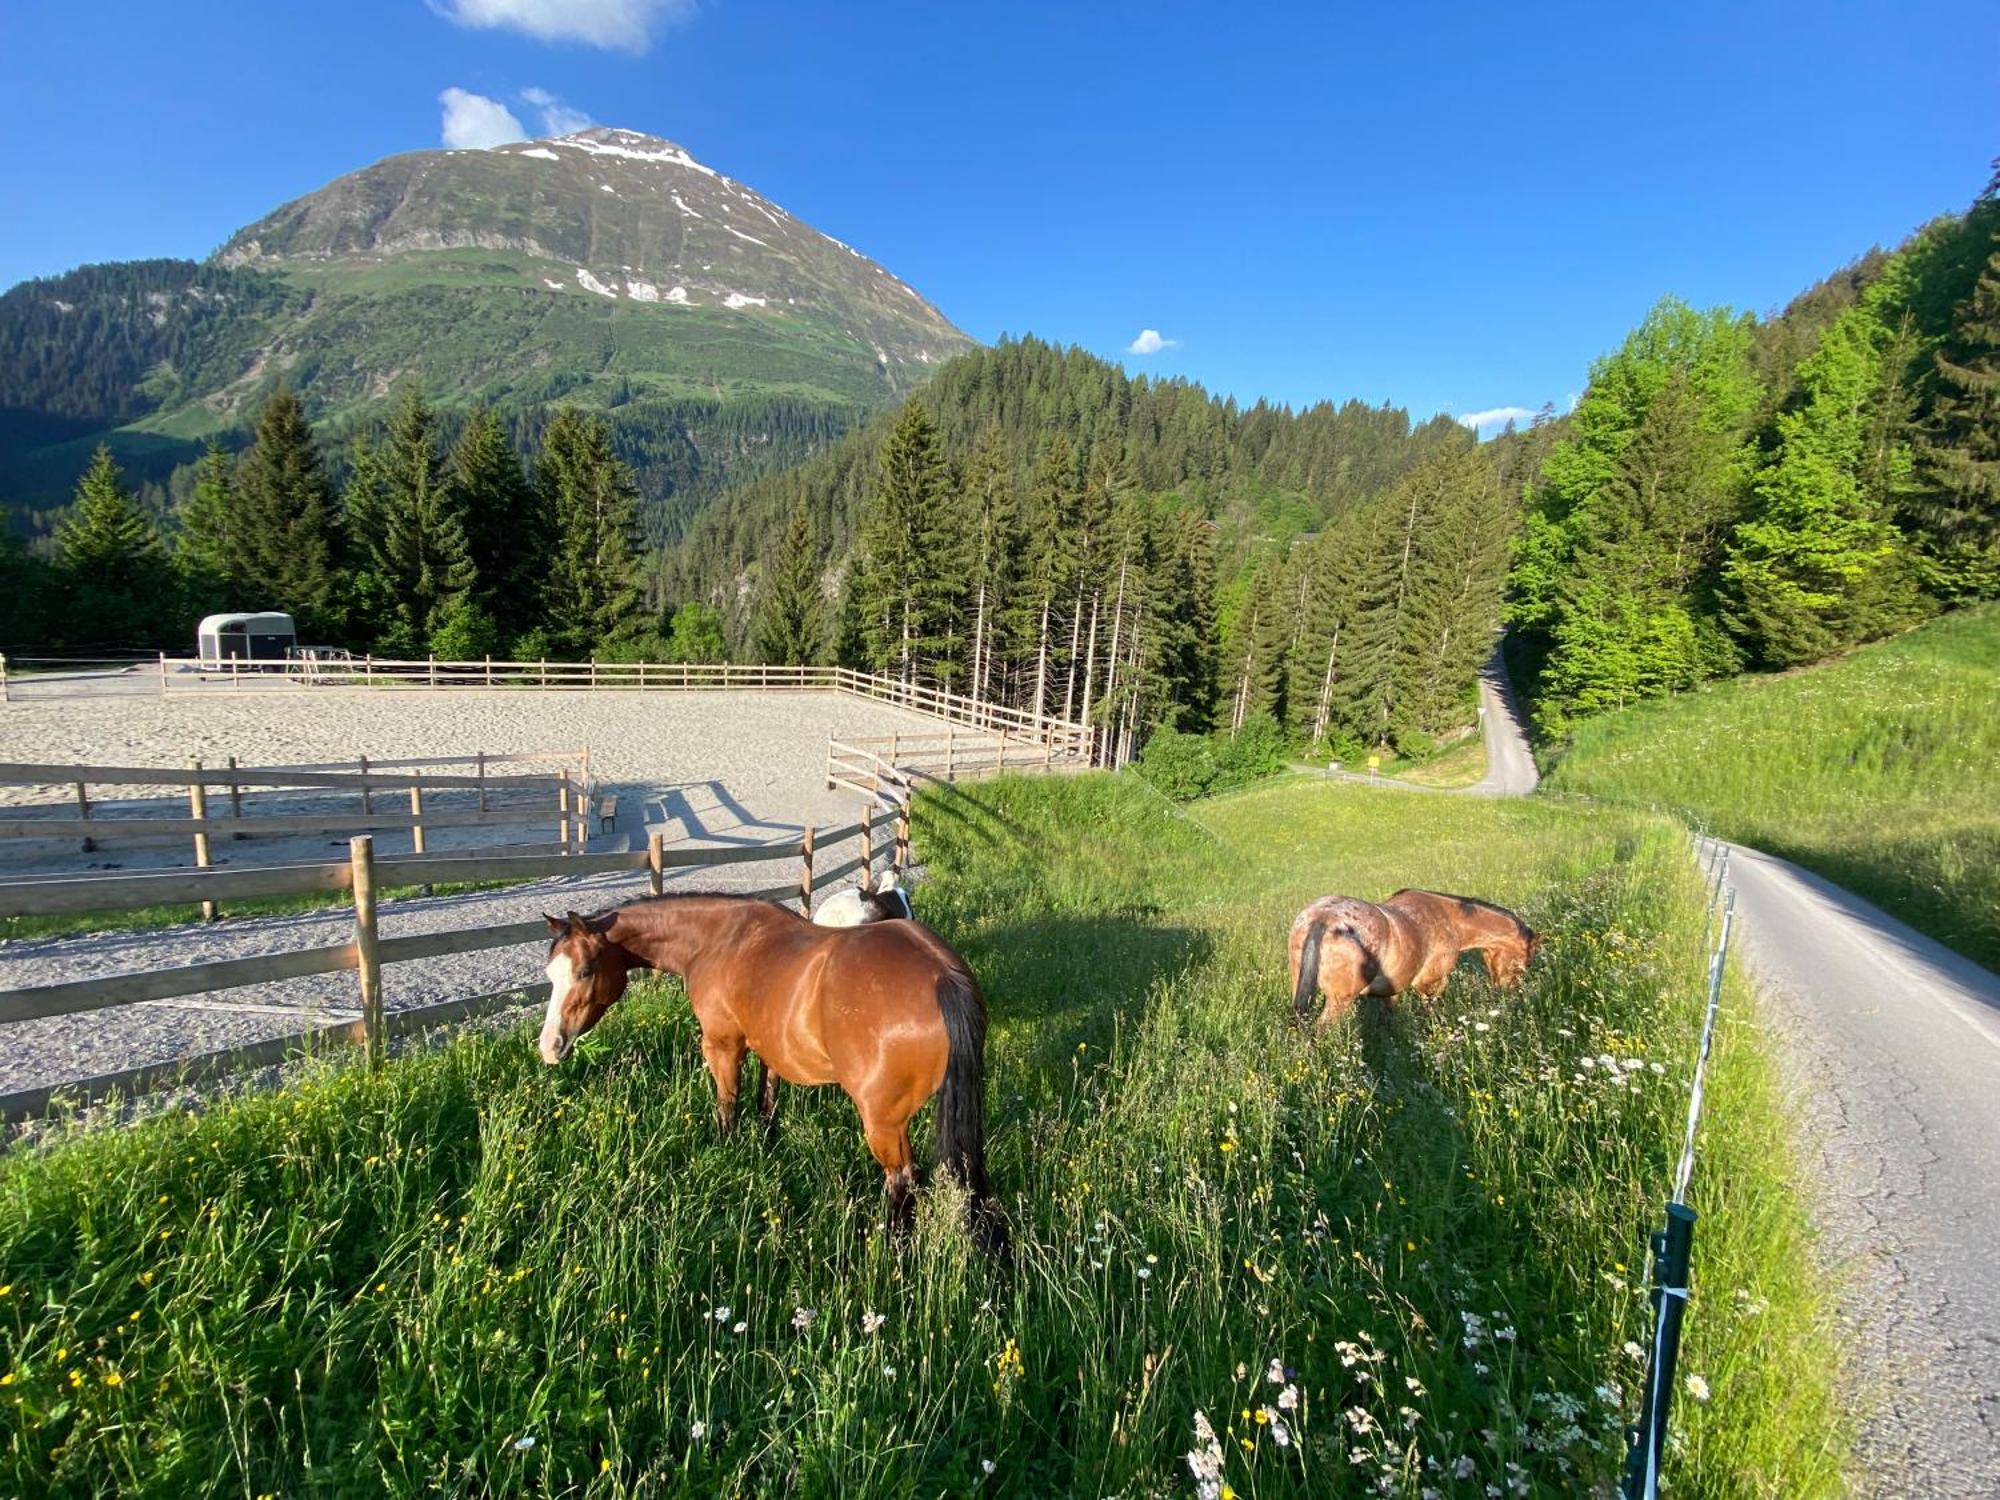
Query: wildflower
[[889, 1372], [720, 1314], [113, 1378], [1226, 1146], [1697, 1387], [1288, 1398], [7, 1290], [986, 1466], [1276, 1373], [1416, 1386], [523, 1444], [870, 1321], [802, 1318], [1204, 1460], [1280, 1433], [1145, 1273], [604, 1466], [698, 1430], [1465, 1468], [1507, 1334], [740, 1327], [1633, 1351], [7, 1379]]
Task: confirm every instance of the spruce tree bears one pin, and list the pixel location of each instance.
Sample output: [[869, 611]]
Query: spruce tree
[[1958, 504], [1805, 572], [990, 526], [904, 590], [285, 544], [790, 627], [113, 561], [507, 529], [419, 547], [206, 546], [591, 594]]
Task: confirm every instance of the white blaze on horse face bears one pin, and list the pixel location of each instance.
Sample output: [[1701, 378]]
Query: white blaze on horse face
[[562, 975]]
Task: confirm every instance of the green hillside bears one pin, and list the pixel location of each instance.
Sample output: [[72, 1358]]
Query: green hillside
[[1880, 770]]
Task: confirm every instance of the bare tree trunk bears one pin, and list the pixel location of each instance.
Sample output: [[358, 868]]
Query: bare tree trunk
[[978, 683], [1090, 659], [1042, 663], [1075, 641], [1117, 625], [1325, 710]]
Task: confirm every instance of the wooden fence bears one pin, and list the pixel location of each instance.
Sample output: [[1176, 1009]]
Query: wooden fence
[[183, 676], [561, 794], [883, 765], [363, 875]]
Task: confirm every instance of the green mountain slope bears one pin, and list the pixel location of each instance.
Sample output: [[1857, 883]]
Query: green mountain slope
[[609, 269], [1880, 770]]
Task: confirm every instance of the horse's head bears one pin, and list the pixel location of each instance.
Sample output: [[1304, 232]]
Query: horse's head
[[1507, 959], [587, 974]]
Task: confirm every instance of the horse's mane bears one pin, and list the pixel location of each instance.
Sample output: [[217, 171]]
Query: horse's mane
[[1473, 902]]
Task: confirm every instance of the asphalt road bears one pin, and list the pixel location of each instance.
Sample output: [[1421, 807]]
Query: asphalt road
[[1510, 764], [1895, 1046]]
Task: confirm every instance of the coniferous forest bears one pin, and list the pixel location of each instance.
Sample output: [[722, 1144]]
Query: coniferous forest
[[1035, 526]]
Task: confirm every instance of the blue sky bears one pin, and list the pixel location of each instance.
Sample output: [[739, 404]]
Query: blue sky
[[1452, 207]]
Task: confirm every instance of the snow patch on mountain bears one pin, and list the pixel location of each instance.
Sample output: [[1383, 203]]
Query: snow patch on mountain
[[670, 154], [591, 284], [540, 153], [750, 237], [738, 299], [642, 291]]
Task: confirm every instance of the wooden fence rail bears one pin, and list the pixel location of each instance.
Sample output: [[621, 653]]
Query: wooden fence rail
[[368, 952]]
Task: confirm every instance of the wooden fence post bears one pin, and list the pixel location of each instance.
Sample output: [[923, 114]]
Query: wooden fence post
[[198, 810], [489, 683], [3, 675], [417, 809], [642, 677], [806, 872], [368, 965], [562, 809], [867, 846], [368, 670], [950, 743], [235, 799], [593, 671], [482, 775], [367, 803], [163, 674], [656, 875], [83, 811], [902, 840]]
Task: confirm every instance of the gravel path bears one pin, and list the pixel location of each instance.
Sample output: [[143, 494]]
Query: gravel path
[[707, 769]]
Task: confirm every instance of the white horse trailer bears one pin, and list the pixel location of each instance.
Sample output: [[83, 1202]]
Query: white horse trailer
[[260, 637]]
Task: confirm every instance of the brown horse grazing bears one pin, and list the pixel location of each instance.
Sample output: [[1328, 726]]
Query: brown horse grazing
[[886, 1011], [1344, 949]]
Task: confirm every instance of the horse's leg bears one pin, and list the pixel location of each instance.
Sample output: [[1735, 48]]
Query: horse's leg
[[767, 1094], [724, 1055], [891, 1145]]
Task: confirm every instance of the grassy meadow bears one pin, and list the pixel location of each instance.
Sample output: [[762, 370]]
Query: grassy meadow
[[1405, 1259], [1881, 771]]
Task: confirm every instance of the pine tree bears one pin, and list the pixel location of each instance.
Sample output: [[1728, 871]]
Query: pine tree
[[1451, 616], [507, 528], [112, 560], [1959, 459], [591, 595], [791, 625], [989, 523], [1044, 572], [419, 547], [904, 591], [207, 547], [1805, 570], [285, 541]]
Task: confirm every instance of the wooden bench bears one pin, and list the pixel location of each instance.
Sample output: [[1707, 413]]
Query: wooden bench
[[607, 813]]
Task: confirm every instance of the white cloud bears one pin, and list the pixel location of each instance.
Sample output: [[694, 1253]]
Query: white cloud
[[475, 121], [1150, 342], [1495, 417], [557, 117], [625, 25]]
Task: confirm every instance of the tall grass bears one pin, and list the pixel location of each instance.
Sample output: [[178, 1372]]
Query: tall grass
[[1881, 771], [1401, 1260]]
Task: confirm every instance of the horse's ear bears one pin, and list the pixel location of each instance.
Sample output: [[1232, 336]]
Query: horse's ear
[[556, 924], [578, 926]]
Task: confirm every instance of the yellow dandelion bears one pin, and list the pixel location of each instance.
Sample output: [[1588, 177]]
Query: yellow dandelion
[[113, 1378]]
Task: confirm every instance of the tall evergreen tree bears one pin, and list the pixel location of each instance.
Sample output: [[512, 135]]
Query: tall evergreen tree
[[207, 546], [1808, 569], [791, 617], [905, 587], [112, 560], [285, 544], [592, 594], [419, 546], [507, 527], [1959, 500], [989, 524]]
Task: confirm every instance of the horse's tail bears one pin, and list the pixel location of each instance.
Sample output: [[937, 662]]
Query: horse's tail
[[1305, 992], [961, 1106]]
